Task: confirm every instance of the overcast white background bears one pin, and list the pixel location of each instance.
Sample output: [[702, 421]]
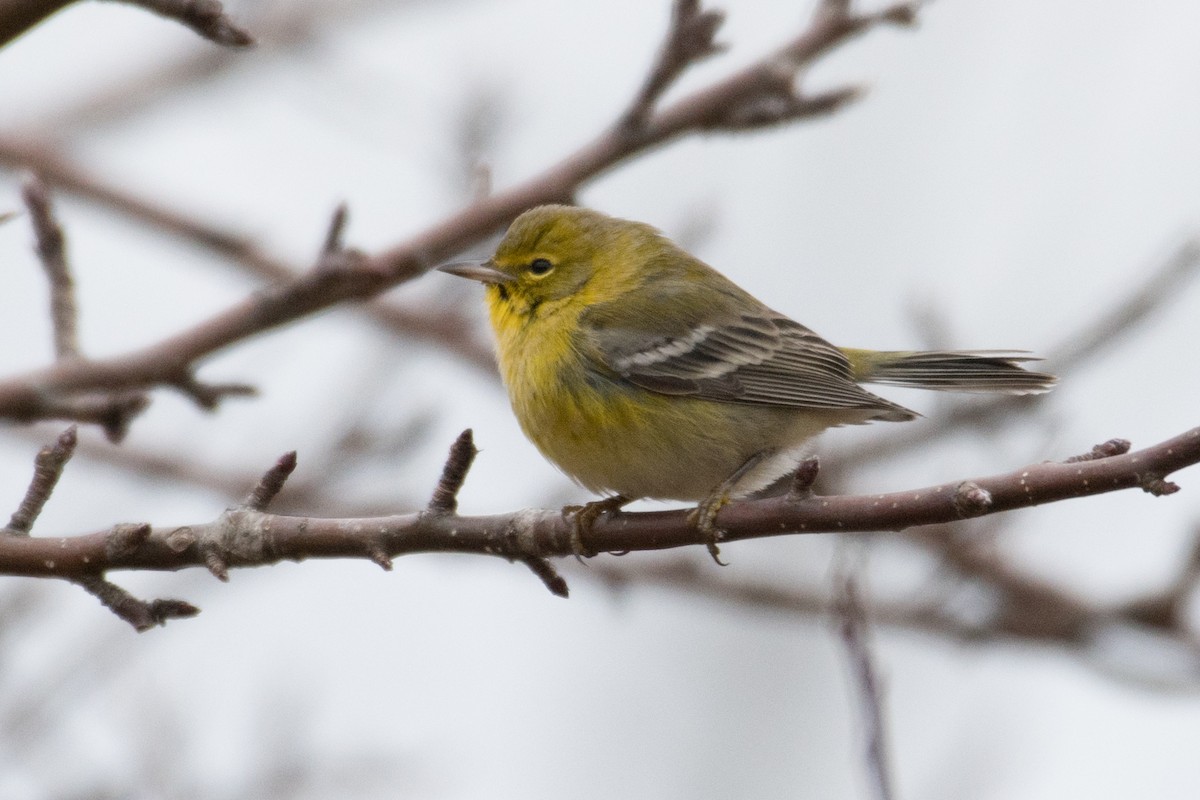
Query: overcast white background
[[1016, 166]]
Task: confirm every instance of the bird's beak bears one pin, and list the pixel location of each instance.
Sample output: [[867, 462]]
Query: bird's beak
[[481, 271]]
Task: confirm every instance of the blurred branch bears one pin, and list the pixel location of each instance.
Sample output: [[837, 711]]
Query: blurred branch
[[52, 250], [443, 327], [243, 536], [852, 624], [112, 410], [18, 16], [290, 28], [756, 96], [205, 17], [1090, 340]]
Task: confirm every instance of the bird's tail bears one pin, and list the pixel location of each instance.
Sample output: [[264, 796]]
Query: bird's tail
[[997, 371]]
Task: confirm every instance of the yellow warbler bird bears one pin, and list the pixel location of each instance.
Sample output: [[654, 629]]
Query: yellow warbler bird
[[644, 373]]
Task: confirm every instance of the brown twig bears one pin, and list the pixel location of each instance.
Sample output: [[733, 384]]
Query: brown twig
[[140, 614], [454, 473], [690, 38], [852, 624], [205, 17], [272, 482], [52, 251], [47, 469], [18, 16]]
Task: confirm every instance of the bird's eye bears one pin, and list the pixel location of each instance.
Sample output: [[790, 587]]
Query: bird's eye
[[540, 266]]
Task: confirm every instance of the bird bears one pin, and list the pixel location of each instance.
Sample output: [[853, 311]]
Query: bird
[[644, 373]]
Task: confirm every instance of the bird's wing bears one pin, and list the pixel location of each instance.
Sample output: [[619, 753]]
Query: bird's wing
[[729, 348]]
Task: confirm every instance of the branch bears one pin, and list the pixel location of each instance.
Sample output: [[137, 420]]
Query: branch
[[244, 537], [852, 619], [714, 108], [444, 327], [1155, 288], [52, 250], [205, 17], [47, 469], [113, 410]]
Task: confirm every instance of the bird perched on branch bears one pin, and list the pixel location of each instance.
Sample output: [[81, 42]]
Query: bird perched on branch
[[644, 373]]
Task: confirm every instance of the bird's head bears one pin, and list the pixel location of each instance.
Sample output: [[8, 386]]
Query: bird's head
[[552, 253]]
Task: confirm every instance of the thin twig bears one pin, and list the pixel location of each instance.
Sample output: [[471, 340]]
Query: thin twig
[[852, 619], [52, 251], [205, 17], [690, 38], [47, 469], [140, 614], [272, 482], [454, 473]]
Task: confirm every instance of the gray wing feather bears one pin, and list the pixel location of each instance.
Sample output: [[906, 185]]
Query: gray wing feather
[[756, 359]]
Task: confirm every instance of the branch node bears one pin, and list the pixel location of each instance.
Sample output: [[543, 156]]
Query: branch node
[[47, 469], [209, 395], [547, 574], [803, 479], [125, 538], [462, 454], [335, 236], [205, 17], [1156, 484], [119, 413], [378, 555], [181, 539], [972, 500], [1113, 447], [215, 563], [271, 482]]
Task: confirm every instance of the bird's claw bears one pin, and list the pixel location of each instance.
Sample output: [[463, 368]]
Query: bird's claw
[[705, 517], [584, 516]]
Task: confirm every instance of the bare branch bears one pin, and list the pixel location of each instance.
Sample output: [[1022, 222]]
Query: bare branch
[[803, 479], [244, 537], [852, 620], [272, 482], [448, 329], [462, 455], [51, 249], [547, 574], [47, 469], [18, 16], [1157, 288], [1096, 335], [209, 395], [1113, 447], [205, 17], [689, 39], [22, 396], [141, 615], [113, 412]]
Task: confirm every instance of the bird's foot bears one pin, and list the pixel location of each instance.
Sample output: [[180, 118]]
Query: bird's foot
[[705, 517], [584, 516]]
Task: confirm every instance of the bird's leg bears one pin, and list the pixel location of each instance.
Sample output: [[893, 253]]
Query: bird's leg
[[584, 516], [705, 514]]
